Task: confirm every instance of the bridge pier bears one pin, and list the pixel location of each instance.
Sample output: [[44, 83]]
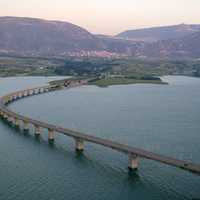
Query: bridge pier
[[7, 101], [41, 90], [19, 95], [16, 123], [14, 97], [79, 145], [30, 92], [10, 120], [37, 130], [51, 135], [25, 94], [133, 162], [10, 99], [5, 116], [26, 126], [36, 91], [46, 89], [1, 114]]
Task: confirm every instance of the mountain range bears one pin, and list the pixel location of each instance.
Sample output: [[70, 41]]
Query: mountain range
[[38, 37]]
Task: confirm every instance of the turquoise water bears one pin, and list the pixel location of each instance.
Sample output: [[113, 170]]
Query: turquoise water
[[160, 118]]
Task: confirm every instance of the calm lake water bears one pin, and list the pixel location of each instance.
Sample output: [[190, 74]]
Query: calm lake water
[[160, 118]]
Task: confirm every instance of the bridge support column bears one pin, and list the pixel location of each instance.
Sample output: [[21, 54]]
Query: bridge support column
[[46, 89], [26, 126], [6, 101], [30, 92], [5, 116], [16, 123], [10, 120], [79, 145], [133, 162], [37, 130], [41, 90], [1, 114], [10, 98], [51, 135], [36, 91], [19, 95], [25, 94]]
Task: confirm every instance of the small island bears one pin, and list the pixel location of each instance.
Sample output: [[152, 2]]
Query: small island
[[123, 80]]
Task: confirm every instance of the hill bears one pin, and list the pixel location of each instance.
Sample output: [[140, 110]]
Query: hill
[[37, 37], [160, 33], [185, 47], [42, 37]]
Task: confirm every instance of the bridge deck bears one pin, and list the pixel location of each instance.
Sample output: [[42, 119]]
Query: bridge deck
[[107, 143]]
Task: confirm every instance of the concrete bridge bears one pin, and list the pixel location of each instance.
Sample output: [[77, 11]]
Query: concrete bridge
[[134, 154]]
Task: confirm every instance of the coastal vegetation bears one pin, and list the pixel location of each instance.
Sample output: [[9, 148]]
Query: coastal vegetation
[[114, 80], [107, 71]]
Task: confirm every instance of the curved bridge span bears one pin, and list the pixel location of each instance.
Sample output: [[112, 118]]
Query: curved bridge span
[[80, 138]]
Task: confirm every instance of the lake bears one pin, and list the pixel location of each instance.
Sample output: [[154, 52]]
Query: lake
[[161, 118]]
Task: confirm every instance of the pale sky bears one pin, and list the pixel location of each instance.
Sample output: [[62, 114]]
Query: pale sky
[[107, 16]]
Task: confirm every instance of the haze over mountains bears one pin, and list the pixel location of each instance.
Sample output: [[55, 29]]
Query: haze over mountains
[[37, 37]]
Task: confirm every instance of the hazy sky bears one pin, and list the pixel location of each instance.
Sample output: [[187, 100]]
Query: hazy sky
[[107, 16]]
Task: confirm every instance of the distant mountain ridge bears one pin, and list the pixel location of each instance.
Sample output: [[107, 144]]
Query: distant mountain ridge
[[160, 33], [38, 37]]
